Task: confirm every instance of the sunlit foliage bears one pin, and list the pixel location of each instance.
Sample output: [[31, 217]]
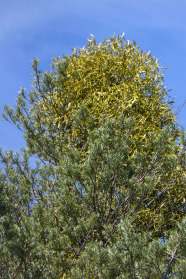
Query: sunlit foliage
[[98, 191]]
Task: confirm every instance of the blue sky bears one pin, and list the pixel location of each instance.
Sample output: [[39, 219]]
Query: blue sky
[[45, 29]]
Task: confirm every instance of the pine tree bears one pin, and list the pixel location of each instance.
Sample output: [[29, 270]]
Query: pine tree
[[104, 197]]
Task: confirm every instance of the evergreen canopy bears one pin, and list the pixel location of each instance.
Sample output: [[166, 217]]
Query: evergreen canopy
[[108, 180]]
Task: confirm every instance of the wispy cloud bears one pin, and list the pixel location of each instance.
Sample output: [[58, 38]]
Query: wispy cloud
[[20, 15]]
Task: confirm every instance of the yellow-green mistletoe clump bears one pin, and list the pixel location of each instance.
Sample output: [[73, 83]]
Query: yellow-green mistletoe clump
[[107, 79]]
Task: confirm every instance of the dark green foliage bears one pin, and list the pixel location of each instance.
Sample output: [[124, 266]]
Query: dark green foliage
[[75, 220]]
